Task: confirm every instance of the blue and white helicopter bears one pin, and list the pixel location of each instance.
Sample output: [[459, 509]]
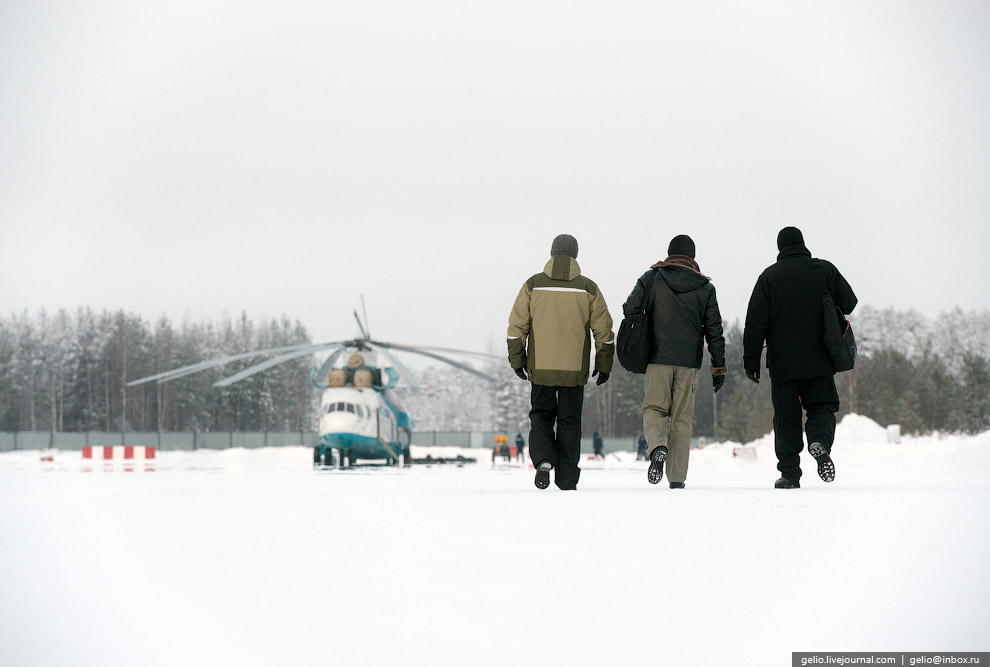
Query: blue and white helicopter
[[357, 418]]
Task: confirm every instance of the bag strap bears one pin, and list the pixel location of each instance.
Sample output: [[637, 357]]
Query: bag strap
[[649, 297], [826, 295]]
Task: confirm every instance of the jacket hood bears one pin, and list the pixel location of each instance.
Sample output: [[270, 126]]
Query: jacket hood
[[562, 267], [680, 279], [681, 273]]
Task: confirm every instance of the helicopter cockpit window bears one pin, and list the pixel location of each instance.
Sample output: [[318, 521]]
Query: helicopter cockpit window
[[350, 408], [340, 407], [331, 407]]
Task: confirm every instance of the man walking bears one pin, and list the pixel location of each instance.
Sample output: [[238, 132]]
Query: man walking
[[684, 314], [787, 312], [550, 345], [597, 445]]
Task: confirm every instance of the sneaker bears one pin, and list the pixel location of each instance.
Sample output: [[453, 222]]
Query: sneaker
[[826, 469], [542, 480], [786, 483], [655, 473], [677, 485]]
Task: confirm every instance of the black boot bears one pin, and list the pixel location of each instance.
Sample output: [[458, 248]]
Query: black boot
[[785, 483], [655, 473], [826, 469], [542, 480], [677, 485]]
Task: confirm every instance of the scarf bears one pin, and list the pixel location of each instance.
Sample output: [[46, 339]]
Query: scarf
[[683, 261]]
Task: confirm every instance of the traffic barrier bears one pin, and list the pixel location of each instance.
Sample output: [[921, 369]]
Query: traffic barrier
[[118, 457], [118, 452]]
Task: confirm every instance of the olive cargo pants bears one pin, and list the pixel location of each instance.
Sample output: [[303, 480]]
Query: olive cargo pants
[[669, 406]]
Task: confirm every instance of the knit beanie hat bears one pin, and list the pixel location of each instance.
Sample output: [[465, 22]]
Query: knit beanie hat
[[789, 236], [565, 244], [681, 245]]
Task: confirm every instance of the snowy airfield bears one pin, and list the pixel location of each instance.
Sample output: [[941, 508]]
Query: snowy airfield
[[248, 557]]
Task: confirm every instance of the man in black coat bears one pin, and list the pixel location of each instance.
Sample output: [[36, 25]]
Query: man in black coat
[[787, 312], [684, 315]]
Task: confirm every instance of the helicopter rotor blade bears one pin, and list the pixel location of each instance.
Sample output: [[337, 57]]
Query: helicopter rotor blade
[[183, 371], [404, 372], [269, 363], [364, 332], [446, 360], [364, 311], [451, 350]]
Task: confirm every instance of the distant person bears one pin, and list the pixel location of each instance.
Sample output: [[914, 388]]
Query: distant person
[[551, 325], [598, 444], [520, 446], [641, 448], [786, 311], [684, 315]]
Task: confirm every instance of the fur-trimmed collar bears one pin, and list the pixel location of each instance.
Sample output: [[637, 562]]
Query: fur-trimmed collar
[[682, 261]]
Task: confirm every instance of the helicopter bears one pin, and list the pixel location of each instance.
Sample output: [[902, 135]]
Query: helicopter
[[358, 420]]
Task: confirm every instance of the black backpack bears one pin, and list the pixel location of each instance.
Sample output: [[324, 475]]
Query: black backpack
[[632, 345]]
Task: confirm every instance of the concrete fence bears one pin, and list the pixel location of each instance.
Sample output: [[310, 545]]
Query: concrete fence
[[189, 440]]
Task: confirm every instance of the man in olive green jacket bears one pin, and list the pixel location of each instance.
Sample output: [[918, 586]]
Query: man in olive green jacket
[[549, 339]]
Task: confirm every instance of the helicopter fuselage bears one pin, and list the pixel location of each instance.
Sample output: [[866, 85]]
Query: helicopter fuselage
[[361, 423]]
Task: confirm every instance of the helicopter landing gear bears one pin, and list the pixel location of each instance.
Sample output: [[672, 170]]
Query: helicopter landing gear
[[328, 457]]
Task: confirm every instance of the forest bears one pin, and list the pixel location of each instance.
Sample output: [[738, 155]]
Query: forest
[[66, 372]]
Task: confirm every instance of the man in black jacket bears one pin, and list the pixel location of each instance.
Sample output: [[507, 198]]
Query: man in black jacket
[[684, 315], [786, 311]]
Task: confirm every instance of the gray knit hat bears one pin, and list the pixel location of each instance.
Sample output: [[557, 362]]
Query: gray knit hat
[[565, 244]]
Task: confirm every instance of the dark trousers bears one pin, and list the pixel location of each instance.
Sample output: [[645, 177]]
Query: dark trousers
[[817, 396], [561, 446]]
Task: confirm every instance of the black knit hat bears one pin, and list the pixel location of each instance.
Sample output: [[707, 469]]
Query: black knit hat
[[681, 245], [565, 244], [789, 236]]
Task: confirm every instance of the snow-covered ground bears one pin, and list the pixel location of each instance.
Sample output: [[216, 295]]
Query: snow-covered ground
[[248, 557]]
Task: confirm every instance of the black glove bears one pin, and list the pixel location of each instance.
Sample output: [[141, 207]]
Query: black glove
[[717, 382], [754, 375], [602, 377], [521, 373]]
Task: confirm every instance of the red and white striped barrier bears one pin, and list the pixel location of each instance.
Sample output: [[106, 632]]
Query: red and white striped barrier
[[118, 453]]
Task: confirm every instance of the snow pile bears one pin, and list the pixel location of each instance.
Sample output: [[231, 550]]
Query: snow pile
[[859, 429]]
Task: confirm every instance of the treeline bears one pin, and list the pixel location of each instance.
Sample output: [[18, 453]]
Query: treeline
[[933, 376], [66, 372]]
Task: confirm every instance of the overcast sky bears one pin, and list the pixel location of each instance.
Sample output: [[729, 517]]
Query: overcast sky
[[196, 158]]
